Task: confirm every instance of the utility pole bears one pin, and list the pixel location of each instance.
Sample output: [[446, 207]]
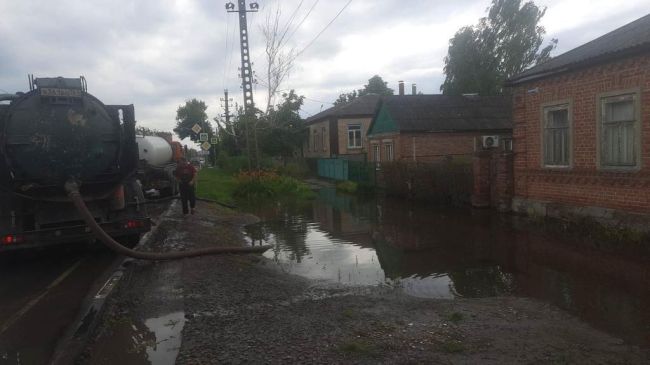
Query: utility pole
[[226, 115], [246, 70]]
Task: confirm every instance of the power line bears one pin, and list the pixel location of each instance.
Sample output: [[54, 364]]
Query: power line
[[225, 55], [285, 27], [317, 101], [291, 18], [322, 31], [302, 21]]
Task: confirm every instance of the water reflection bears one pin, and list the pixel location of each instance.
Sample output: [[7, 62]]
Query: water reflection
[[154, 341], [434, 252]]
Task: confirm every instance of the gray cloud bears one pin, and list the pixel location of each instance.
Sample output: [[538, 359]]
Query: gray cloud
[[158, 53]]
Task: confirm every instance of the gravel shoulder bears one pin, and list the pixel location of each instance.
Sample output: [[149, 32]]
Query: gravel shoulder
[[242, 309]]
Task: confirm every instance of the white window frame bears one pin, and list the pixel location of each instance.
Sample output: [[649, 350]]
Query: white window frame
[[353, 129], [376, 152], [547, 108], [389, 151], [610, 97], [376, 155], [323, 131]]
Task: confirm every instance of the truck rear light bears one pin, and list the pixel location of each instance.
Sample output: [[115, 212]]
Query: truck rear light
[[10, 239], [133, 224]]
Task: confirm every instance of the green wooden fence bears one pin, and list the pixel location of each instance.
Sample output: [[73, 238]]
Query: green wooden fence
[[341, 169]]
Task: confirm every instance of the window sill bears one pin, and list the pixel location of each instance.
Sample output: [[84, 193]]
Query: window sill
[[557, 167], [355, 148]]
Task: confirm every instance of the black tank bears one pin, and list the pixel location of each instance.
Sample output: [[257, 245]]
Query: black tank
[[58, 131]]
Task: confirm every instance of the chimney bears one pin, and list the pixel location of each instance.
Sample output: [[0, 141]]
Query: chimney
[[413, 89], [401, 87]]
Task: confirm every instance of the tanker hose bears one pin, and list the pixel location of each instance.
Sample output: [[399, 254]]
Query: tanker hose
[[73, 192]]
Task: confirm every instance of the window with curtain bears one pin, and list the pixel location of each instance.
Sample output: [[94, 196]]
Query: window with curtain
[[557, 136], [354, 136], [618, 131], [388, 152]]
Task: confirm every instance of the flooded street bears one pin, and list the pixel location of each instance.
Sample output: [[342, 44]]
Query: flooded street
[[434, 252]]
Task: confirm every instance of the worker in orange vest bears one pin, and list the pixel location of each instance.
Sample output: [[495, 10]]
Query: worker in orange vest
[[185, 173]]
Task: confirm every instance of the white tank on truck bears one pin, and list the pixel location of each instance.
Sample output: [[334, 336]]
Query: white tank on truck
[[155, 150], [158, 158]]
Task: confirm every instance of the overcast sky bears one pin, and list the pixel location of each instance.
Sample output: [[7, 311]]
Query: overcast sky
[[158, 53]]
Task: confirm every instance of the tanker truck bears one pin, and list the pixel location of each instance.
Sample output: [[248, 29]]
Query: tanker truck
[[158, 159], [57, 133]]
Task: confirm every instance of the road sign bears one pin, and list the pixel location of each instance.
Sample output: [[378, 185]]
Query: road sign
[[203, 137], [214, 140], [206, 146], [196, 128]]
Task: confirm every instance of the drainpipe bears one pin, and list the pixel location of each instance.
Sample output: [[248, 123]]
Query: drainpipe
[[413, 147]]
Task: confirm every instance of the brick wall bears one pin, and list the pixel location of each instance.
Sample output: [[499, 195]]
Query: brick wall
[[321, 149], [430, 147], [435, 146], [382, 140], [343, 135], [584, 183]]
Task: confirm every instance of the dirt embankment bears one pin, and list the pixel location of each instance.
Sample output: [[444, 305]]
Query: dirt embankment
[[242, 309]]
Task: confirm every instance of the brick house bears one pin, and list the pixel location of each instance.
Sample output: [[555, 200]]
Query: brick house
[[429, 128], [582, 140], [340, 131]]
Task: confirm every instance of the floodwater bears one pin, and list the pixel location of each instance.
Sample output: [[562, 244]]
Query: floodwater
[[440, 252]]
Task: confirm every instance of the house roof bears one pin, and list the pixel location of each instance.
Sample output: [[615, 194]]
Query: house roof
[[362, 106], [629, 39], [443, 113]]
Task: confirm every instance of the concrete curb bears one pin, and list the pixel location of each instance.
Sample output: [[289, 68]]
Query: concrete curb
[[79, 332]]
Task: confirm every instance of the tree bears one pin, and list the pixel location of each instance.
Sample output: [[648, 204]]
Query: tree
[[278, 61], [504, 43], [376, 85], [284, 131], [193, 112]]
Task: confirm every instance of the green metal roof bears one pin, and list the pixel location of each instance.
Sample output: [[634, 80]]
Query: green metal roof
[[384, 123]]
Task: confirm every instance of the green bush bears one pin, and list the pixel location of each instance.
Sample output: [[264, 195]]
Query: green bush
[[232, 164], [266, 184]]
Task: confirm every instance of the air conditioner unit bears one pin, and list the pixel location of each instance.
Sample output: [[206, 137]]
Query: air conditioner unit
[[490, 141]]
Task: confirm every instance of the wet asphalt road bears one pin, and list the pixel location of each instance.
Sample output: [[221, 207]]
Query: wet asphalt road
[[41, 294]]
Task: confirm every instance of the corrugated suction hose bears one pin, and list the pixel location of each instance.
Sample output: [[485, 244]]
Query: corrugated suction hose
[[73, 192]]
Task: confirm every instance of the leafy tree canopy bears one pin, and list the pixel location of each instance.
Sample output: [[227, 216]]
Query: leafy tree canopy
[[376, 85], [504, 43], [285, 133], [193, 112]]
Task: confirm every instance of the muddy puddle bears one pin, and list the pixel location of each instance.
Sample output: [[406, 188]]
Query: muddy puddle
[[155, 340], [433, 252]]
